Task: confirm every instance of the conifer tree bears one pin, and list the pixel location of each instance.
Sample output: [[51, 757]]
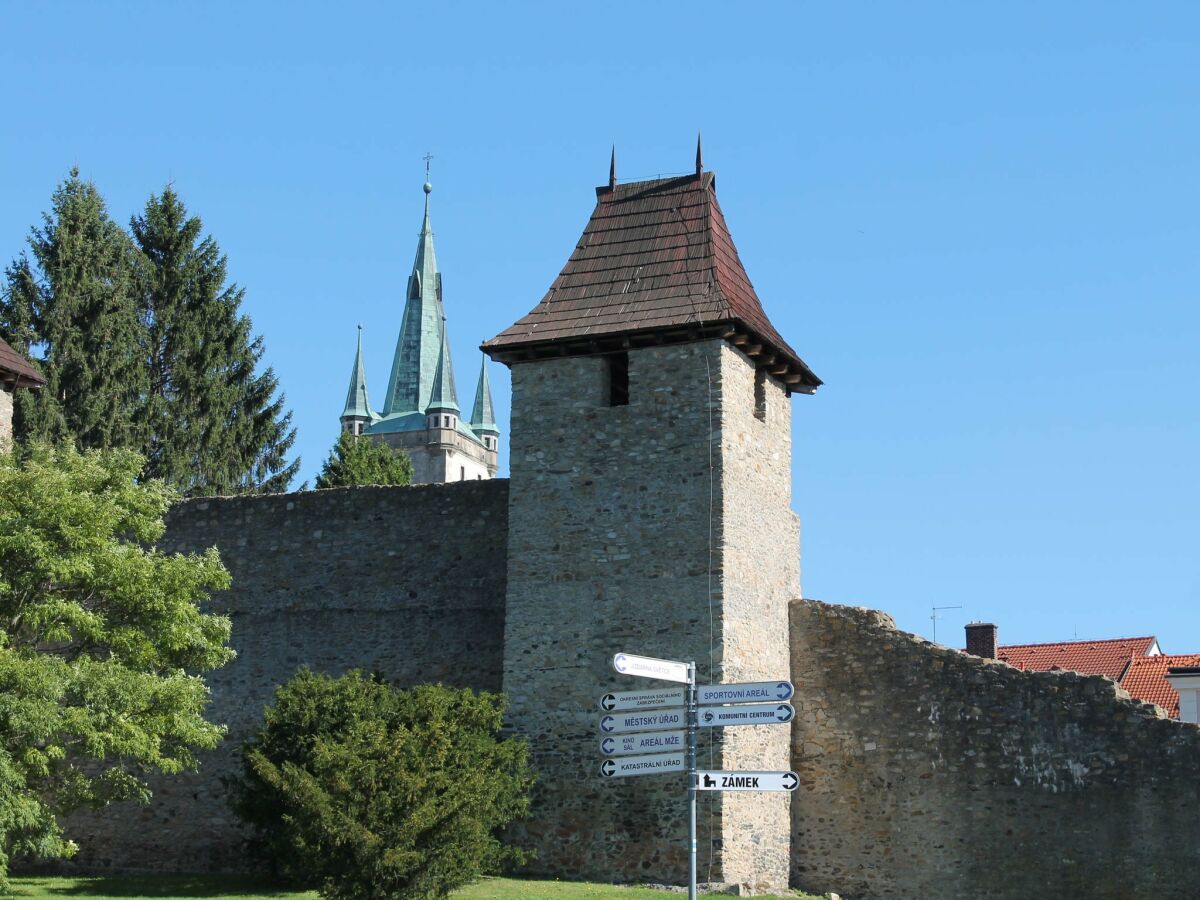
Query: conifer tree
[[215, 424], [74, 301], [360, 461]]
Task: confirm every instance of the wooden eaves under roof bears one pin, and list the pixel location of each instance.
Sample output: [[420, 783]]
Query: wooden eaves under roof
[[15, 370], [655, 265]]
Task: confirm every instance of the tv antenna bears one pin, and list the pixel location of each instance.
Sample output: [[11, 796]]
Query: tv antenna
[[934, 617]]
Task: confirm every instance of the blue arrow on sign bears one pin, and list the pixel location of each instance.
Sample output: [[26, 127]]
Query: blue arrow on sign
[[784, 713], [607, 745], [606, 724], [783, 690]]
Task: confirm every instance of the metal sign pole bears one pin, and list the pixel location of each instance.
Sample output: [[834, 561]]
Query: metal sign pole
[[693, 727]]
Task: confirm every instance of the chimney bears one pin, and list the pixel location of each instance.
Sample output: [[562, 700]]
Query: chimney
[[981, 639]]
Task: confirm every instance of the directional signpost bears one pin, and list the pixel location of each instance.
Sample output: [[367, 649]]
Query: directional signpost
[[643, 742], [651, 764], [643, 699], [748, 781], [746, 714], [649, 667], [643, 732], [754, 692]]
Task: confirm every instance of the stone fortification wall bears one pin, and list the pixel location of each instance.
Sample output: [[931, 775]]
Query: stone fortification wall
[[407, 581], [652, 528], [6, 413], [926, 772]]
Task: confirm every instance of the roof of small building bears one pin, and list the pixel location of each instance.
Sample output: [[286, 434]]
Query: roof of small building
[[1108, 657], [14, 368], [655, 261], [1146, 679]]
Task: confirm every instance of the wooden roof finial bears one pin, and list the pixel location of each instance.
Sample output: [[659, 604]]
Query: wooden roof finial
[[612, 169], [699, 155]]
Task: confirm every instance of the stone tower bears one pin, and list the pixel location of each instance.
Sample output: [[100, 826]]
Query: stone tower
[[649, 512], [420, 411]]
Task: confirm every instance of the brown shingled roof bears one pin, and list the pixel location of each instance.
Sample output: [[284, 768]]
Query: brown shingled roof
[[15, 369], [655, 262]]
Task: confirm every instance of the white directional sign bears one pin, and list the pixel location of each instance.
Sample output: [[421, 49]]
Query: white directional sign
[[747, 781], [655, 720], [654, 764], [642, 699], [643, 742], [749, 714], [649, 667], [749, 692]]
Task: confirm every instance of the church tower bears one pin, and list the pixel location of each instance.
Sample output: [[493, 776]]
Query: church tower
[[649, 509], [420, 409]]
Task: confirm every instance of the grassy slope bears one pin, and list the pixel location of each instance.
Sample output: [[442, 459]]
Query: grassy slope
[[184, 887]]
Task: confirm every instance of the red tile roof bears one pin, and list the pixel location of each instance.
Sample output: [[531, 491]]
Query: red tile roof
[[1108, 657], [1146, 679], [14, 368], [656, 257]]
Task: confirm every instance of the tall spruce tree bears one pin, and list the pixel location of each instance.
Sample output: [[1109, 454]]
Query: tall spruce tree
[[215, 424], [71, 297]]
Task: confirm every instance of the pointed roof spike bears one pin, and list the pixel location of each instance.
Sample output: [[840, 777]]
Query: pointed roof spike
[[699, 155], [483, 417], [419, 342], [357, 404], [612, 169], [443, 395]]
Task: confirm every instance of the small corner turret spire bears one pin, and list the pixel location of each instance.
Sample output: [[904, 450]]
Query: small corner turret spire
[[699, 156], [357, 414], [612, 169]]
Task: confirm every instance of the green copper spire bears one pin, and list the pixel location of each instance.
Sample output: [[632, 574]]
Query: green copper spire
[[443, 395], [357, 405], [482, 417], [410, 385]]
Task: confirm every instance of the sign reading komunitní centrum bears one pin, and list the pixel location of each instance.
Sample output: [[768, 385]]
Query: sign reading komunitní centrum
[[747, 714]]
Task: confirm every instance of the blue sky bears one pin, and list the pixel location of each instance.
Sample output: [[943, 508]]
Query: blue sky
[[978, 226]]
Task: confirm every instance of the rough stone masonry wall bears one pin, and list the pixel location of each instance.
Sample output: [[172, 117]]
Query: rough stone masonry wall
[[6, 413], [926, 772], [406, 581], [610, 525]]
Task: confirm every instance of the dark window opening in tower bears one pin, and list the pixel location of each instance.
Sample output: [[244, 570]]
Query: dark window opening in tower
[[618, 379], [760, 393]]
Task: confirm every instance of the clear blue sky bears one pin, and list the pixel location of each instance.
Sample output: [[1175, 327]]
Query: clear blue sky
[[978, 226]]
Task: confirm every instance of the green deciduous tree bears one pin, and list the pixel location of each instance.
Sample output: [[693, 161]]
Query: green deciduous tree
[[361, 461], [102, 641], [214, 424], [72, 296], [368, 792]]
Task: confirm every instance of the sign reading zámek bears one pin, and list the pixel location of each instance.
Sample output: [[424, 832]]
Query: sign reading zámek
[[746, 781]]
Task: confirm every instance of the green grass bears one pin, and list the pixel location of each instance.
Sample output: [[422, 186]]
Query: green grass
[[238, 887]]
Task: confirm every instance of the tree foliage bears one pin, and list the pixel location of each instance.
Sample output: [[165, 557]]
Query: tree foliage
[[102, 642], [214, 425], [356, 461], [74, 299], [143, 346], [368, 792]]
